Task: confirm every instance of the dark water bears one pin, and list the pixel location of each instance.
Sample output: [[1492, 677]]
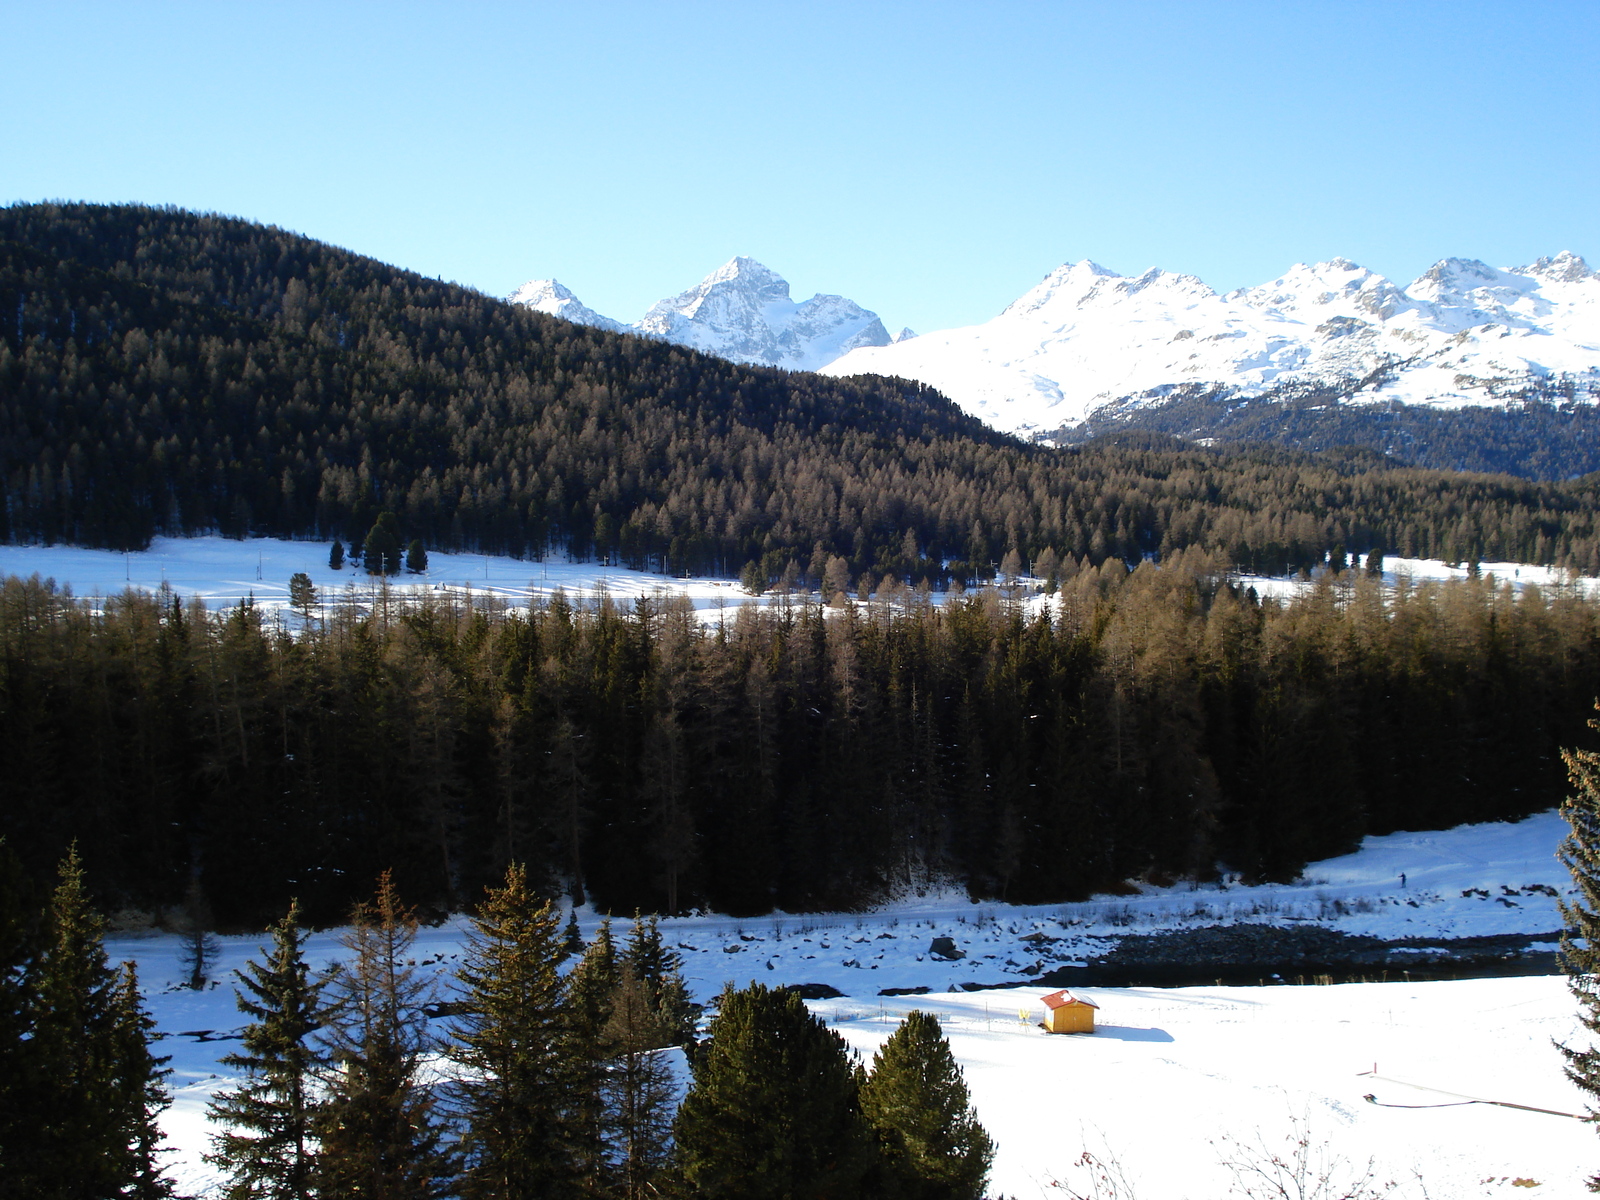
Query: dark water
[[1278, 974], [1249, 956]]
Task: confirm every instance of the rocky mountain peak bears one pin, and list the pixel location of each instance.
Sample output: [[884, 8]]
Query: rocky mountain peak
[[1565, 267], [742, 311]]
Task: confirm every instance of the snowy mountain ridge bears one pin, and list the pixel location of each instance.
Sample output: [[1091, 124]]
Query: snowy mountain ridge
[[741, 311], [1086, 339]]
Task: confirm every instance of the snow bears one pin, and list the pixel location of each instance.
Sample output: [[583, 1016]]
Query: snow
[[742, 311], [1170, 1073], [223, 572], [1087, 337]]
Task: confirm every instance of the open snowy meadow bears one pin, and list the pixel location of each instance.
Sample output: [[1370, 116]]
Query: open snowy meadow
[[1174, 1082], [224, 572]]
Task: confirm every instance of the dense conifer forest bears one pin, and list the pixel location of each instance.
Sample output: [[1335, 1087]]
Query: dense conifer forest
[[167, 372], [1546, 432], [1162, 722]]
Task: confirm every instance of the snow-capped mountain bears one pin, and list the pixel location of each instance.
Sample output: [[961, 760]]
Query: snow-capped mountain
[[1087, 339], [741, 311], [548, 296]]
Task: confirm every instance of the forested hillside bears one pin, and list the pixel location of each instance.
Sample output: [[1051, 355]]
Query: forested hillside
[[166, 372], [1545, 432], [1164, 722]]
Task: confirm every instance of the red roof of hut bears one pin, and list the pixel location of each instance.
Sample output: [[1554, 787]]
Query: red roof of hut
[[1066, 999]]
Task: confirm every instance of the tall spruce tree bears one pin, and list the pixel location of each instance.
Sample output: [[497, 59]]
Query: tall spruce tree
[[521, 1090], [78, 1082], [143, 1093], [1580, 937], [379, 1135], [660, 971], [267, 1144], [932, 1145], [774, 1110], [590, 987], [637, 1087]]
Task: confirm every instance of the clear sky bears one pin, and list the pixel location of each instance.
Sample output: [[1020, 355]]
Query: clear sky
[[929, 160]]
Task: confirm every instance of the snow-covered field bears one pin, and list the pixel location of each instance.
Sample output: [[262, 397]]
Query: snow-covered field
[[224, 572], [1171, 1073]]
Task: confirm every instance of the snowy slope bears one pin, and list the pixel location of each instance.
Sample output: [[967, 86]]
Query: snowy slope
[[1171, 1073], [1461, 334], [741, 311]]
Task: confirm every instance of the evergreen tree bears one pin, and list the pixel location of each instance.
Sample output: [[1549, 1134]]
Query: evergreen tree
[[336, 555], [932, 1146], [659, 970], [520, 1092], [302, 593], [77, 1085], [416, 557], [638, 1086], [1580, 938], [774, 1110], [378, 1132], [267, 1145], [201, 949], [144, 1096], [590, 989], [381, 553]]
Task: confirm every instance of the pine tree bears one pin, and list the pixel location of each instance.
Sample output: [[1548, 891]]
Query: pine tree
[[658, 968], [302, 593], [638, 1088], [1580, 938], [267, 1145], [416, 557], [774, 1109], [933, 1147], [200, 950], [336, 555], [80, 1119], [520, 1092], [378, 1132], [590, 987], [143, 1093], [381, 553]]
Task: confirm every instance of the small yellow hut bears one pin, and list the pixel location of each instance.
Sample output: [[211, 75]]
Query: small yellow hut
[[1066, 1013]]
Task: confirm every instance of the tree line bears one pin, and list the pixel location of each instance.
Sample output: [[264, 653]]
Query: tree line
[[1150, 724], [163, 372], [555, 1082]]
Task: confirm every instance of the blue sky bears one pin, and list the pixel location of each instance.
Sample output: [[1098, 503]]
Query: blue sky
[[929, 160]]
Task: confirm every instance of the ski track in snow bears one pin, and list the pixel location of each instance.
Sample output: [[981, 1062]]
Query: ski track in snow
[[1171, 1073]]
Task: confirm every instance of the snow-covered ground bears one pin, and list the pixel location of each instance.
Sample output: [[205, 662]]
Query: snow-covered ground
[[224, 572], [1171, 1073]]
